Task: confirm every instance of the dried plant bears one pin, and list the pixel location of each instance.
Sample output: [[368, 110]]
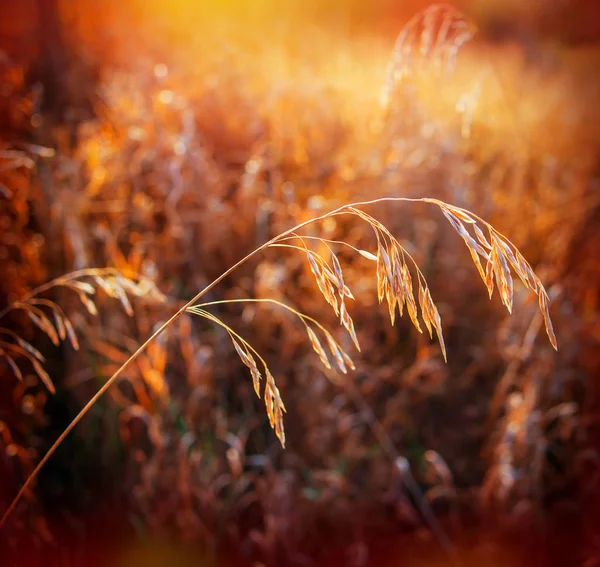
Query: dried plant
[[433, 36], [237, 135], [394, 284], [51, 319]]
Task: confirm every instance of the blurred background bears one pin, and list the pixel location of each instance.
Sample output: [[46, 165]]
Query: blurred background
[[173, 138]]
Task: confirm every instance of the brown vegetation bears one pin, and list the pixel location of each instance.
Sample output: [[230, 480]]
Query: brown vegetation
[[201, 139]]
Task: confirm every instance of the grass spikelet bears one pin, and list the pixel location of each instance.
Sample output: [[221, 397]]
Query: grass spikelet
[[88, 304], [338, 274], [398, 286], [481, 237], [434, 35], [425, 308], [455, 217], [71, 334], [318, 347], [543, 301], [247, 358], [12, 364], [324, 283], [348, 324], [60, 325], [503, 277], [106, 285], [489, 277], [256, 377], [50, 318], [411, 305], [337, 351], [382, 277], [44, 376], [40, 320], [245, 350], [393, 282], [366, 254], [347, 360], [275, 407], [431, 316], [85, 287], [502, 255]]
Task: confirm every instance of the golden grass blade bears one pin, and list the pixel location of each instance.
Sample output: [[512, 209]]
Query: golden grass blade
[[390, 298], [503, 277], [71, 334], [317, 347], [382, 282], [60, 325], [256, 377], [436, 34], [544, 301], [31, 349], [348, 324], [387, 264], [40, 320], [520, 265], [12, 364], [313, 265], [338, 273], [469, 240], [245, 357], [275, 407], [437, 323], [527, 273], [368, 255], [336, 351], [347, 360], [474, 248], [425, 308], [384, 274], [41, 372], [122, 296], [84, 287], [431, 316], [347, 293], [398, 286], [411, 306], [481, 237], [106, 285], [460, 214], [88, 304], [489, 277], [323, 282]]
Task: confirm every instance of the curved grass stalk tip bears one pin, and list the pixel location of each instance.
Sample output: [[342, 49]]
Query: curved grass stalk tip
[[395, 272]]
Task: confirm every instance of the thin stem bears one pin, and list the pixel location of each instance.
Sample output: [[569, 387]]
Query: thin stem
[[299, 314], [232, 333], [315, 255], [327, 240], [162, 328]]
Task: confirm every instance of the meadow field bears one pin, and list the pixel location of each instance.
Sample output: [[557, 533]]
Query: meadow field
[[293, 414]]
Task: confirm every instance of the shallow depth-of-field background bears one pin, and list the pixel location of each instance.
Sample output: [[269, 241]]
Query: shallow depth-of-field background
[[171, 139]]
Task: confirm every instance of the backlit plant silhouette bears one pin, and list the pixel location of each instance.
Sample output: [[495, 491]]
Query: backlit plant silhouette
[[438, 33], [395, 271]]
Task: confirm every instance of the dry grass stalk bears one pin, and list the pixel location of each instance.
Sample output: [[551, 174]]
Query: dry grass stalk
[[394, 283], [434, 35], [52, 320], [273, 402]]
